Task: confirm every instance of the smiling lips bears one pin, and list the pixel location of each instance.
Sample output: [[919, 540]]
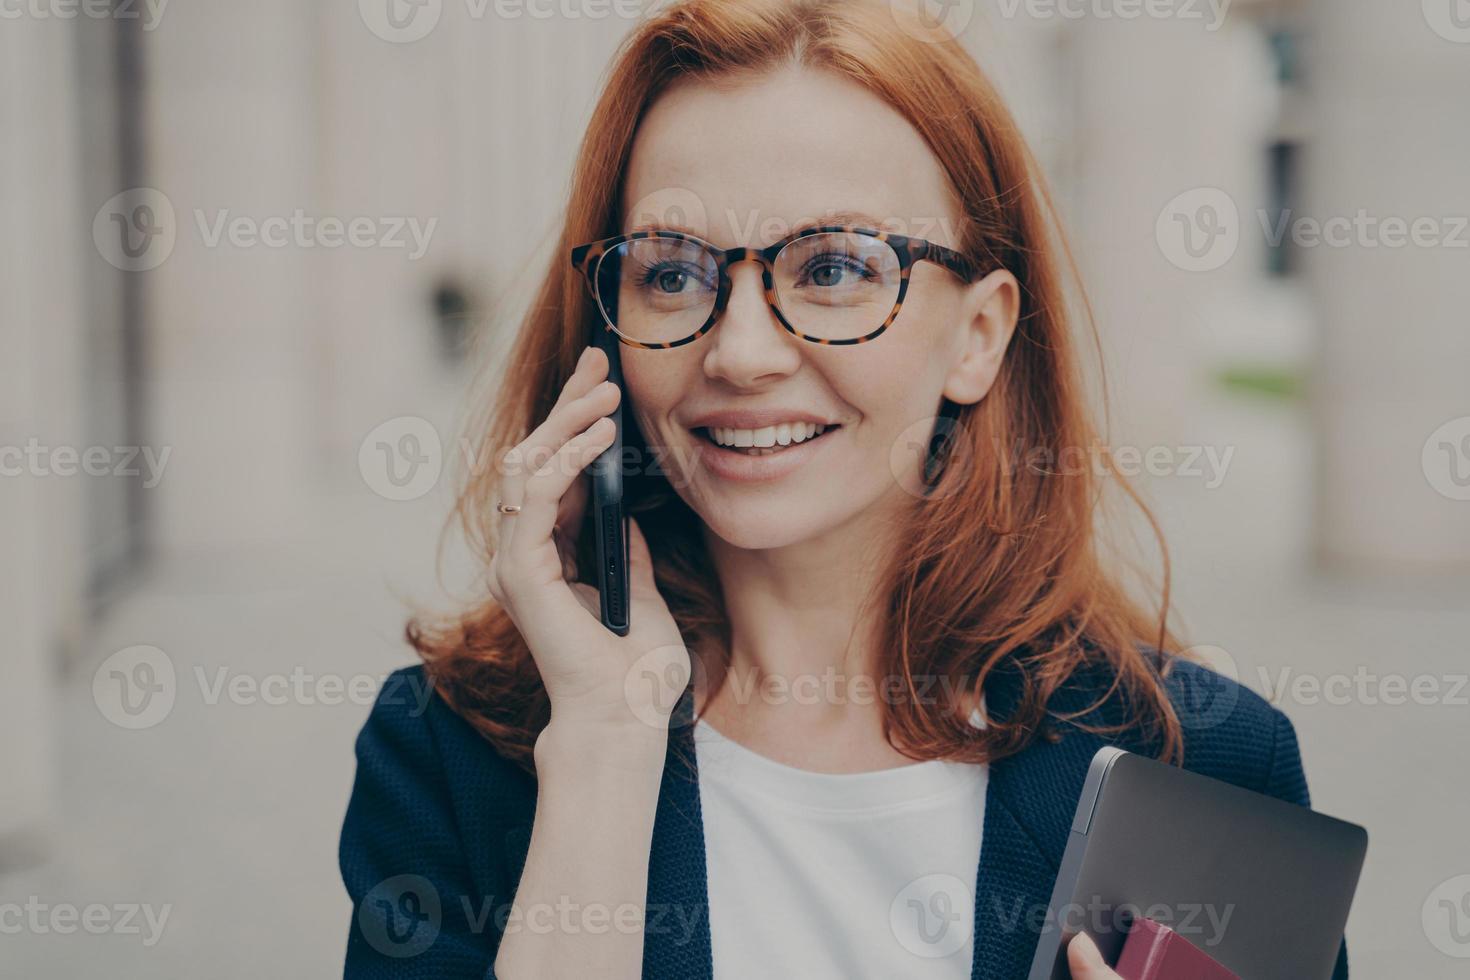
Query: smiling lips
[[759, 445], [767, 453], [767, 437]]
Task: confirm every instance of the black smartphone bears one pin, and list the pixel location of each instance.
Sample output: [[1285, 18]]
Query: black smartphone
[[610, 521]]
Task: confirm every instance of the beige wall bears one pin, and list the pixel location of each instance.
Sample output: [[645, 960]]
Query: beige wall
[[1390, 134], [42, 522]]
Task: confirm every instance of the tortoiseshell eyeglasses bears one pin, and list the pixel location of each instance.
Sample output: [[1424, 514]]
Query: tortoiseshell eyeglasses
[[836, 284]]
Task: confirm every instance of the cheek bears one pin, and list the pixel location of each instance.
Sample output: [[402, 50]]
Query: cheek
[[653, 383], [897, 378], [896, 383]]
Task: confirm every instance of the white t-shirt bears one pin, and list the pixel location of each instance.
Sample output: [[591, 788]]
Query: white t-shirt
[[842, 875]]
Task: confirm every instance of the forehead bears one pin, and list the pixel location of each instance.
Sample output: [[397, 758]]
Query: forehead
[[746, 162]]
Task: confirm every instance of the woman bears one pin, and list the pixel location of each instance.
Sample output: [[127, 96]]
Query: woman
[[874, 645]]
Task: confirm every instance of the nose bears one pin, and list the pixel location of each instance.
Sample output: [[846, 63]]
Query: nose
[[750, 346]]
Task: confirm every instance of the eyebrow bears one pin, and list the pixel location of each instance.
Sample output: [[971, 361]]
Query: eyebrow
[[835, 217]]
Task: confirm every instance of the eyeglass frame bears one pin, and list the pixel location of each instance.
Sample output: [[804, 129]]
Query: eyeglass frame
[[587, 258]]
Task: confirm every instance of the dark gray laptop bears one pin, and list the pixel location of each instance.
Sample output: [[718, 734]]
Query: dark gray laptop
[[1260, 885]]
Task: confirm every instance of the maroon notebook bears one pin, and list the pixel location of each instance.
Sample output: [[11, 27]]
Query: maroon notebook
[[1156, 952]]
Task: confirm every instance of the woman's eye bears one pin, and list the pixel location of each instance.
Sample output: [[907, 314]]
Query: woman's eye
[[667, 279], [828, 272], [827, 275]]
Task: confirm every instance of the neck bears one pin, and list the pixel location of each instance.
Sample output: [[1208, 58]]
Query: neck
[[802, 625]]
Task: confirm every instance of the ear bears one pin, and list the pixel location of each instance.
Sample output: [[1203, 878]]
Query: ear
[[988, 313]]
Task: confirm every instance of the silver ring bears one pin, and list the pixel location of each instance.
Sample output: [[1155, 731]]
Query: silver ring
[[507, 508]]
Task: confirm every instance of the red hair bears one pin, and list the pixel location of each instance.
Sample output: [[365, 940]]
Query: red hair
[[1000, 567]]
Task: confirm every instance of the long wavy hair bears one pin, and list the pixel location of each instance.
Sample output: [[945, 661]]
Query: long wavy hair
[[1000, 567]]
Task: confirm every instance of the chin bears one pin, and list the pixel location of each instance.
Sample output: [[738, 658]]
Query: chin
[[756, 522], [759, 525]]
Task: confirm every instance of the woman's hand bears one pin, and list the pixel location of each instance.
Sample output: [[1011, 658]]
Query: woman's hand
[[600, 761], [1085, 961], [591, 674]]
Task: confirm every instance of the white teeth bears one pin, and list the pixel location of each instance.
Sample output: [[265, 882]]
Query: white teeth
[[784, 434]]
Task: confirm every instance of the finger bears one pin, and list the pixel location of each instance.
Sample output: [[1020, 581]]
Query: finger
[[509, 492], [546, 487], [572, 508], [591, 368], [566, 420], [521, 462], [1085, 961]]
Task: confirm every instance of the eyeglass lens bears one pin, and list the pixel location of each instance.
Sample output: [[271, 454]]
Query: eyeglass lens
[[832, 286]]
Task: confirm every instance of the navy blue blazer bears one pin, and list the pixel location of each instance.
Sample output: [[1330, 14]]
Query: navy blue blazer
[[438, 826]]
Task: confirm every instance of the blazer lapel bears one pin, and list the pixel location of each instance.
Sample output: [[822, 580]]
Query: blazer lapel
[[676, 942], [1019, 858], [1029, 803]]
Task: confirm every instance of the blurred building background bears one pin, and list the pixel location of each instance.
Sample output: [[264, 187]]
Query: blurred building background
[[226, 440]]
